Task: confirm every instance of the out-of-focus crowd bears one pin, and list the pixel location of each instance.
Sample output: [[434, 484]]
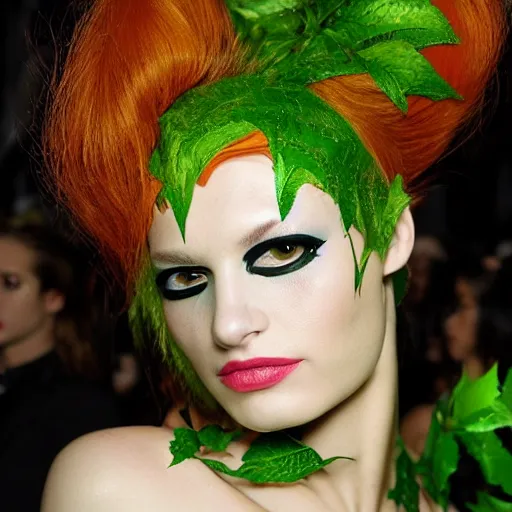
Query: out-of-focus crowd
[[457, 317]]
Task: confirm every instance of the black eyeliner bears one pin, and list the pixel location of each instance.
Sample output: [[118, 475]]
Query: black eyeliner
[[310, 244], [305, 241], [163, 276]]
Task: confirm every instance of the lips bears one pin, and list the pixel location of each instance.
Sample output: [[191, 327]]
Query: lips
[[256, 374]]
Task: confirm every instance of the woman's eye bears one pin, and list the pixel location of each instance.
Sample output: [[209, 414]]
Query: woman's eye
[[11, 282], [282, 255], [176, 284], [279, 255]]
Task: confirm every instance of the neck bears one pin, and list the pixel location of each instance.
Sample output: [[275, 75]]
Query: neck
[[29, 348], [473, 367], [365, 428]]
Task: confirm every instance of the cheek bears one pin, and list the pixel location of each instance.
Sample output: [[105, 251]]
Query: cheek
[[322, 310], [22, 302], [187, 328]]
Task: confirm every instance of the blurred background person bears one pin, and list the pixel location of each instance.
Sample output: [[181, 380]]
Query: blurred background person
[[478, 334], [52, 389]]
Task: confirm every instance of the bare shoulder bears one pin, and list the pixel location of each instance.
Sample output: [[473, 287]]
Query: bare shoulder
[[126, 469]]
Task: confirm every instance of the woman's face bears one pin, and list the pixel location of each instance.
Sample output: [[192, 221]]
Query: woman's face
[[461, 325], [266, 311], [23, 308]]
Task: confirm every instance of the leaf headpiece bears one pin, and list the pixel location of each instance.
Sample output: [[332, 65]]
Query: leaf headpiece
[[297, 43]]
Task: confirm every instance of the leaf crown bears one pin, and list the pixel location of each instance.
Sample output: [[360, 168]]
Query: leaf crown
[[297, 43]]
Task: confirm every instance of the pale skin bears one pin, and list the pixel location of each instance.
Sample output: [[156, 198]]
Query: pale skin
[[344, 390]]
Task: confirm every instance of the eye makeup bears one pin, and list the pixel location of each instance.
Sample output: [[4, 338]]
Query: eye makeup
[[282, 255], [271, 258], [182, 282]]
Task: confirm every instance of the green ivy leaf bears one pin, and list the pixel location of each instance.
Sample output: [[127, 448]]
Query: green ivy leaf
[[275, 458], [395, 205], [495, 460], [306, 42], [497, 415], [288, 182], [400, 71], [439, 460], [487, 503], [184, 446], [470, 397], [415, 21], [215, 438], [407, 490]]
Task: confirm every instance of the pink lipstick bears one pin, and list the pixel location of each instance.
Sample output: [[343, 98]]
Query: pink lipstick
[[258, 373]]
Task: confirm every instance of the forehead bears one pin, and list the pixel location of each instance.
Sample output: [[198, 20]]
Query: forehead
[[14, 256], [238, 197]]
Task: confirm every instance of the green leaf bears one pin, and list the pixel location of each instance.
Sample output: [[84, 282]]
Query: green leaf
[[412, 20], [288, 183], [478, 405], [497, 415], [471, 396], [215, 438], [310, 41], [255, 11], [400, 71], [487, 503], [275, 458], [495, 460], [407, 490], [439, 460], [184, 445], [395, 205]]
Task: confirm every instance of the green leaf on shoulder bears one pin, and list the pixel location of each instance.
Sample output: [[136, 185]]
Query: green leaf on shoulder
[[184, 446], [215, 438], [275, 458]]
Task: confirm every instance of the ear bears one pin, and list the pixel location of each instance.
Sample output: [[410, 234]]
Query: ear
[[402, 244], [54, 301]]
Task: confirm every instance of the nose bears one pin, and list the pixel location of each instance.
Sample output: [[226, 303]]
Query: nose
[[237, 318]]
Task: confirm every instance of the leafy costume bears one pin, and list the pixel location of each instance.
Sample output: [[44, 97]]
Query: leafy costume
[[470, 417], [296, 43]]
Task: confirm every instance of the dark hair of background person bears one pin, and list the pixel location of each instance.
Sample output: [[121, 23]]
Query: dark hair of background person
[[494, 336]]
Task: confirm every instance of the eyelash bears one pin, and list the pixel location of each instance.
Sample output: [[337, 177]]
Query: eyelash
[[309, 244]]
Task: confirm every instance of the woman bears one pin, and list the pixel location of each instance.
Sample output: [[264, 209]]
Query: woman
[[275, 314], [49, 391]]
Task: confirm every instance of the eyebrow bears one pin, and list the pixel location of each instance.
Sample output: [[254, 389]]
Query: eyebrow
[[178, 258], [258, 233], [172, 258]]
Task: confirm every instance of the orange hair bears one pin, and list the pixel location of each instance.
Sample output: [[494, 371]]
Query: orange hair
[[131, 59]]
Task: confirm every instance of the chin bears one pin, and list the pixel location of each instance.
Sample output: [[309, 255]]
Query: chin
[[268, 414]]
